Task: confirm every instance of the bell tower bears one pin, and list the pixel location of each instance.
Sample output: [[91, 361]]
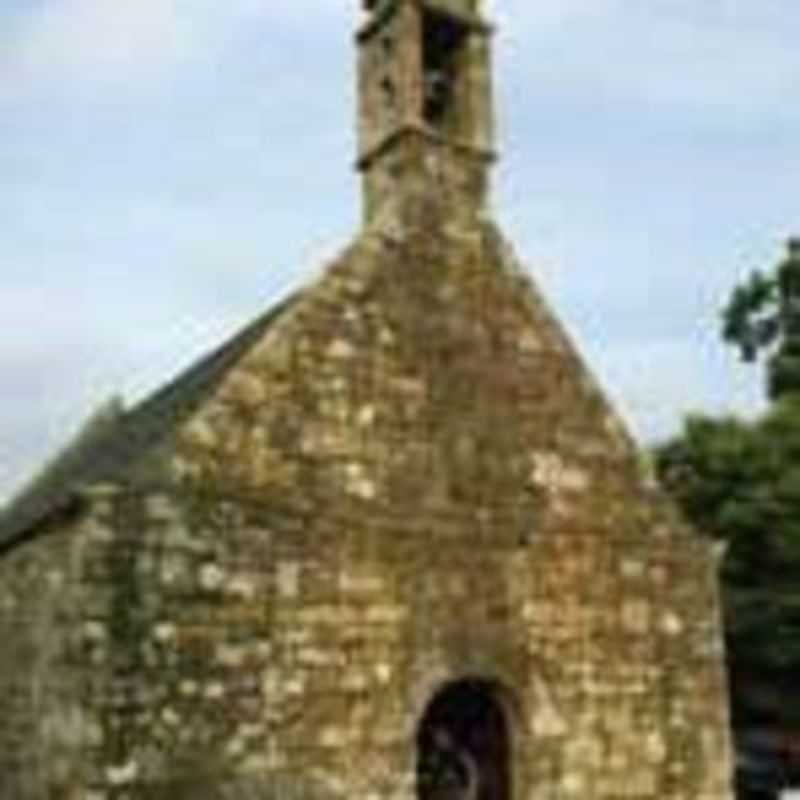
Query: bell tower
[[425, 105]]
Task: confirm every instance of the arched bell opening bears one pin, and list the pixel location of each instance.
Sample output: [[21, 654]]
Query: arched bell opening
[[464, 744]]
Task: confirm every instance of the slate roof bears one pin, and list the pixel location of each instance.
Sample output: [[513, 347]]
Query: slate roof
[[113, 439]]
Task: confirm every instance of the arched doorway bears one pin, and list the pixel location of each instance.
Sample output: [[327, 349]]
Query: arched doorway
[[464, 745]]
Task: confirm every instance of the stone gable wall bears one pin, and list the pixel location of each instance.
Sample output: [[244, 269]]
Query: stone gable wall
[[412, 479]]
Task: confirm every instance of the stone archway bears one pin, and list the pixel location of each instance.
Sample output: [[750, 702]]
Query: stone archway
[[464, 744]]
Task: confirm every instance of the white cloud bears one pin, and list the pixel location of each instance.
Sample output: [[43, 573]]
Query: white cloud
[[94, 40], [75, 43], [718, 55]]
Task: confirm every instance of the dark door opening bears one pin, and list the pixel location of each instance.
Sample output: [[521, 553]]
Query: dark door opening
[[463, 745]]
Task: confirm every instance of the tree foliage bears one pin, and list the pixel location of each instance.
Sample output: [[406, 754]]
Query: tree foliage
[[739, 482], [763, 317]]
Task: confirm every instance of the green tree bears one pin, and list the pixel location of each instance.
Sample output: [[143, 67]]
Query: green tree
[[763, 317], [739, 483]]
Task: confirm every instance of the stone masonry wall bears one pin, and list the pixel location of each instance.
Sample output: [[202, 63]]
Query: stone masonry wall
[[42, 673], [410, 480]]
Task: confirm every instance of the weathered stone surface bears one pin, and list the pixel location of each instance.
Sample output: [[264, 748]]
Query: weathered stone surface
[[279, 618]]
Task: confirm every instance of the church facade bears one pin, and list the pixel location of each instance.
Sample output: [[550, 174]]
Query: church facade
[[390, 542]]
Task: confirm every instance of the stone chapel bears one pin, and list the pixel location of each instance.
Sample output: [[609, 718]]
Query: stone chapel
[[389, 542]]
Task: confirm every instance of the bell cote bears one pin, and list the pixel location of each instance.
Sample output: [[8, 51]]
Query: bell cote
[[425, 105]]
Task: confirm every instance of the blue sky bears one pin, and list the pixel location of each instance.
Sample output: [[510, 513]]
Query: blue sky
[[170, 167]]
